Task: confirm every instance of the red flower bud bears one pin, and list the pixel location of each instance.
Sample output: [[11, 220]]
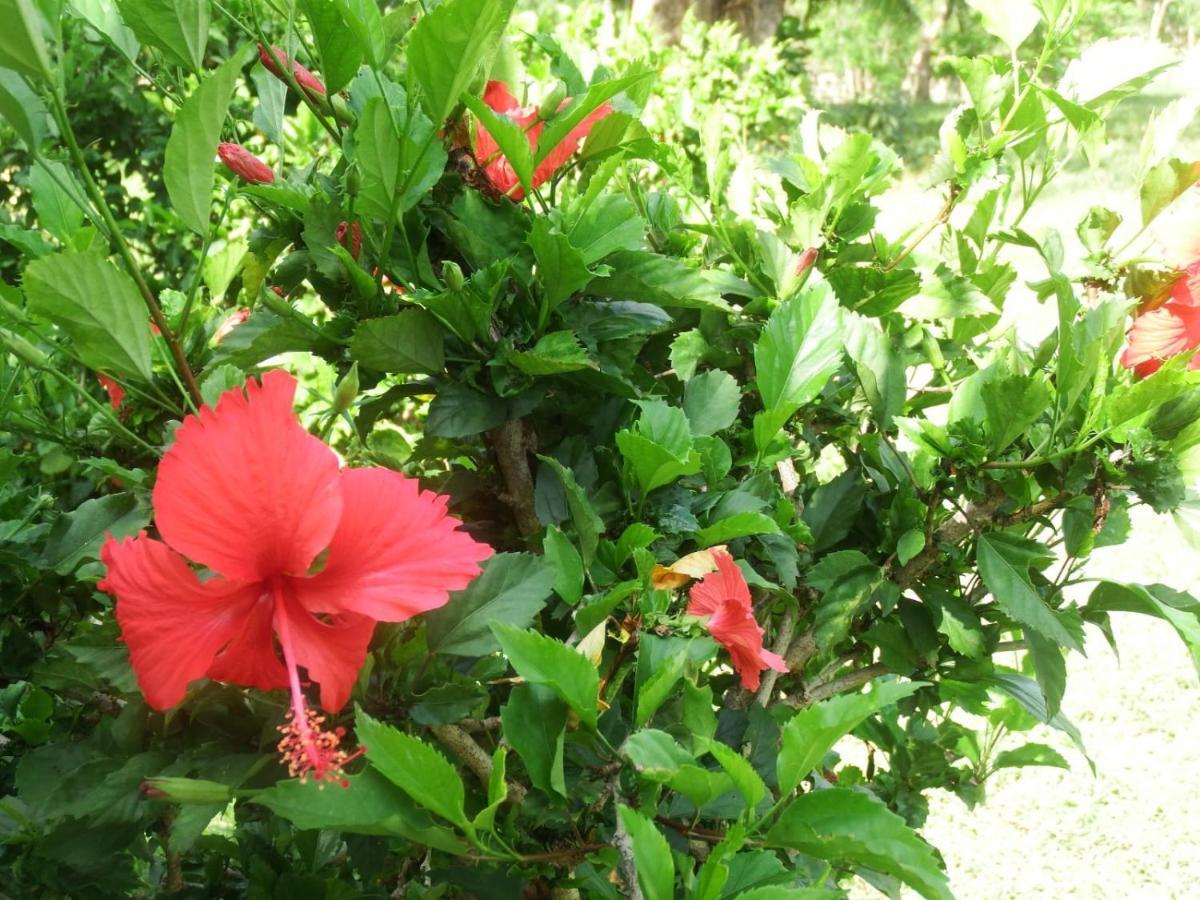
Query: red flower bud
[[115, 392], [807, 259], [354, 232], [245, 164], [275, 58], [230, 322]]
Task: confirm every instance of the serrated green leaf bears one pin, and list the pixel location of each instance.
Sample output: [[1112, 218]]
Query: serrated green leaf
[[543, 660], [535, 722], [651, 854], [1007, 577], [410, 341]]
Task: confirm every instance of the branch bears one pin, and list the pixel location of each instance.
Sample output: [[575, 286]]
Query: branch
[[474, 757], [843, 684], [783, 641], [511, 447]]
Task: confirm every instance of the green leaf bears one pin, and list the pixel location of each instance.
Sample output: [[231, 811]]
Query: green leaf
[[1050, 668], [658, 450], [1179, 609], [588, 524], [910, 544], [1007, 577], [98, 306], [561, 269], [799, 349], [414, 767], [369, 805], [553, 354], [410, 341], [363, 21], [959, 623], [77, 535], [651, 854], [879, 368], [570, 116], [1013, 403], [844, 824], [449, 45], [179, 28], [568, 565], [662, 280], [812, 732], [23, 109], [745, 779], [711, 401], [534, 722], [447, 703], [846, 580], [398, 167], [512, 588], [513, 143], [338, 47], [192, 147], [22, 46], [1164, 183], [459, 411], [1012, 21], [543, 660], [60, 212], [741, 524], [1030, 755], [272, 98], [654, 691]]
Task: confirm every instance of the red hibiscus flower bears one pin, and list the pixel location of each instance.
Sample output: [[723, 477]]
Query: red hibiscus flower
[[497, 168], [1168, 330], [245, 164], [115, 392], [294, 549], [724, 597], [304, 78], [230, 322]]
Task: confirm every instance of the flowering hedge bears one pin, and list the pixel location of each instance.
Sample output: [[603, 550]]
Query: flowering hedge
[[496, 501]]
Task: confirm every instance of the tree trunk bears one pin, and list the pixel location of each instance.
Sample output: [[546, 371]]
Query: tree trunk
[[1159, 19], [756, 19], [920, 68]]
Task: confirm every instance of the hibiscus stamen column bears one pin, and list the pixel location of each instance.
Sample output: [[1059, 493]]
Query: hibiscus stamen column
[[305, 746]]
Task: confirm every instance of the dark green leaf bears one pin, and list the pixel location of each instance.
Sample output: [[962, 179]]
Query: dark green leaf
[[561, 268], [77, 535], [410, 341], [459, 411], [843, 824], [23, 110], [648, 277], [535, 721], [711, 401], [337, 46], [398, 166], [1007, 577], [512, 589]]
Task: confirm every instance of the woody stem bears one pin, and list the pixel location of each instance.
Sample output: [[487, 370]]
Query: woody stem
[[299, 713]]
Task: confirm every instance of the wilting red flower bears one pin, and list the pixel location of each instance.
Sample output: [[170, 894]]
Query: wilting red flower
[[304, 78], [497, 167], [245, 164], [724, 597], [1168, 330], [293, 548], [230, 322], [353, 233], [115, 392]]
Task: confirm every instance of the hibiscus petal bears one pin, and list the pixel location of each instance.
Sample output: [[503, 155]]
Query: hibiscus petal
[[1156, 335], [499, 97], [1187, 288], [250, 658], [710, 594], [172, 623], [331, 652], [245, 490], [396, 552]]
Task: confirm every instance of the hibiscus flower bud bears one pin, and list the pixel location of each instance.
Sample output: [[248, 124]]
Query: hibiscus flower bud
[[452, 275], [552, 101], [341, 109], [186, 790], [350, 237], [273, 61], [346, 390], [245, 164], [230, 322], [807, 260]]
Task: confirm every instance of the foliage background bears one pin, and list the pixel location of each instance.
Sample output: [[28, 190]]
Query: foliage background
[[758, 87]]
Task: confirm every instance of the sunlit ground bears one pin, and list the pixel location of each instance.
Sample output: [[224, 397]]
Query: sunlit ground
[[1130, 831]]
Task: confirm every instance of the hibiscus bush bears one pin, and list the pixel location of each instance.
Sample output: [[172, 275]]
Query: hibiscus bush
[[422, 481]]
